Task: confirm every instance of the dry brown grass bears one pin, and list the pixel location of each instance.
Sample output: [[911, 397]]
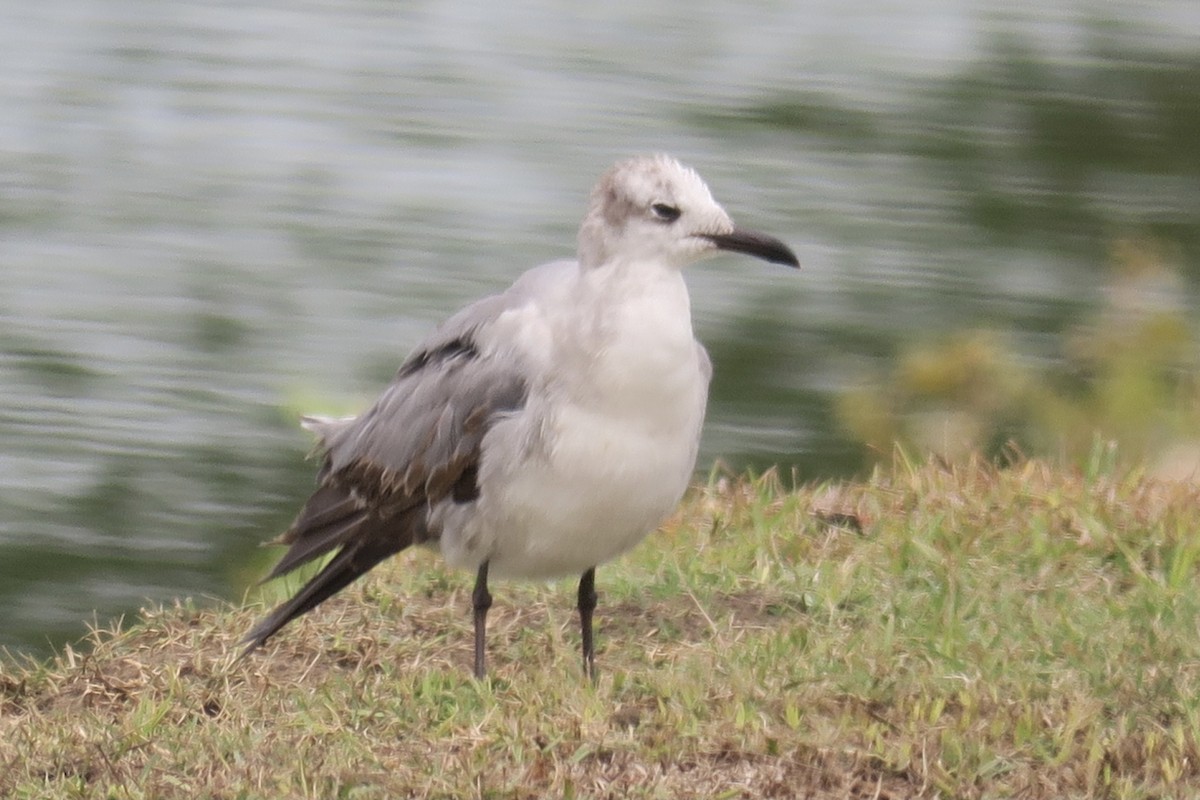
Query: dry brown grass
[[931, 632]]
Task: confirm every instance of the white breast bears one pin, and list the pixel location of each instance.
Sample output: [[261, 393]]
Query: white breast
[[617, 428]]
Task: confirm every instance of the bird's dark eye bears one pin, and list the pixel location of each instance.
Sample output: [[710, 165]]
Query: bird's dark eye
[[665, 212]]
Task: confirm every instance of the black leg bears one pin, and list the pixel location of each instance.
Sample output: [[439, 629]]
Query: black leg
[[481, 601], [587, 604]]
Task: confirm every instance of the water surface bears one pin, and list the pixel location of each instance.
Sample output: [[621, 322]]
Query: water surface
[[216, 215]]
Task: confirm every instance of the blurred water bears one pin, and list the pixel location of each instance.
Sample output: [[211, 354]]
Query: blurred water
[[212, 214]]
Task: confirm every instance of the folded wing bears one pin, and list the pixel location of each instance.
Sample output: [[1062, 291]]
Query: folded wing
[[419, 444]]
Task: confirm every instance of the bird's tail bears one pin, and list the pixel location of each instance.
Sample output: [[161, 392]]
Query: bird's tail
[[331, 520]]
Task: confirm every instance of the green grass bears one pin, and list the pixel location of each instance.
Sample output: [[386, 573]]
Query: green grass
[[929, 632]]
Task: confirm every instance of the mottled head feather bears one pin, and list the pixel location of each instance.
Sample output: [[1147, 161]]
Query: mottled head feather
[[629, 213]]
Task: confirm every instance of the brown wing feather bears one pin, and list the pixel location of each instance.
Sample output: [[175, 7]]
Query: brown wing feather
[[419, 444], [375, 542]]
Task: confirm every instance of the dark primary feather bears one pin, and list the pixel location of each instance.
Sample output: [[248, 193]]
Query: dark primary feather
[[418, 445], [375, 539], [328, 518]]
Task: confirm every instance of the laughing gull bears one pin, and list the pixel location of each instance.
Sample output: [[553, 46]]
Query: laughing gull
[[539, 432]]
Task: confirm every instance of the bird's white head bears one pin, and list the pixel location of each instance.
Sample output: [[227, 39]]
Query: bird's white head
[[654, 209]]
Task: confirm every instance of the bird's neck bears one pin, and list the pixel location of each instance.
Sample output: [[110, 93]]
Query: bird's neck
[[644, 320], [628, 280]]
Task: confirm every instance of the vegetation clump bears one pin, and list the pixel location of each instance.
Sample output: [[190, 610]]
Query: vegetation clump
[[1126, 372]]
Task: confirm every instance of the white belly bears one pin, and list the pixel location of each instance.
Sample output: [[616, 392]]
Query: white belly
[[594, 487], [601, 453], [596, 495]]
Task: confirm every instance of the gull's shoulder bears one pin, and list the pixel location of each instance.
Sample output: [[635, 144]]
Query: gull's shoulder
[[541, 287], [477, 363]]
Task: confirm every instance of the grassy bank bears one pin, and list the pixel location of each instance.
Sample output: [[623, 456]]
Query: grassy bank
[[927, 633]]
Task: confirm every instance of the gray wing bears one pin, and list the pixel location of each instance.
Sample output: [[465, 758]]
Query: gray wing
[[419, 444], [421, 440]]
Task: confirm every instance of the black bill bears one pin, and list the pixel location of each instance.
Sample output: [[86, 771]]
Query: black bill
[[756, 244]]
